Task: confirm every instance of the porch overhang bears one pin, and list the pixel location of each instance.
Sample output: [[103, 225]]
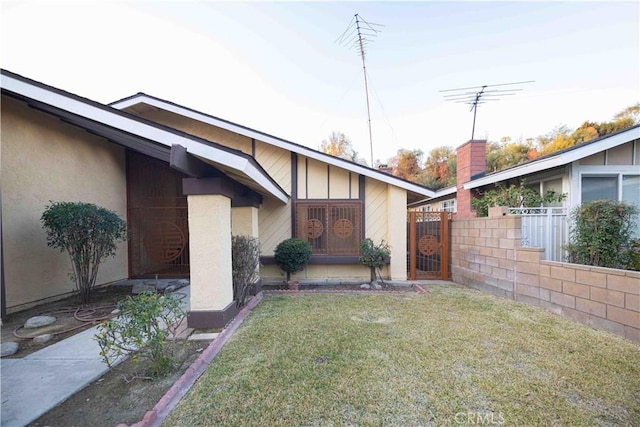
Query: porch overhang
[[140, 135]]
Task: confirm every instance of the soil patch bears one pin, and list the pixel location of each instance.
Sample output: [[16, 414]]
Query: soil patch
[[71, 318], [122, 395]]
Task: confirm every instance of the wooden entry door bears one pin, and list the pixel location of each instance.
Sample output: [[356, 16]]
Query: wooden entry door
[[428, 245], [157, 218]]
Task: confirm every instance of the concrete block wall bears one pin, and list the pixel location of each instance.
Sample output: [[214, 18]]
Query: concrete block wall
[[486, 255]]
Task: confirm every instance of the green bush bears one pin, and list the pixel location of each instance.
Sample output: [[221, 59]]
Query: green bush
[[140, 330], [292, 255], [245, 259], [513, 196], [601, 232], [374, 255], [89, 235]]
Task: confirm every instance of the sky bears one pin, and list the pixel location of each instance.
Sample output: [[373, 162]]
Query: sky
[[279, 68]]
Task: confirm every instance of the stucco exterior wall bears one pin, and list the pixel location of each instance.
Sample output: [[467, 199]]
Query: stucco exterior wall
[[44, 159], [397, 231]]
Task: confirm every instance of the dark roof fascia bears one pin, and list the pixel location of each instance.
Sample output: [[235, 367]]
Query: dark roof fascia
[[302, 147], [135, 118]]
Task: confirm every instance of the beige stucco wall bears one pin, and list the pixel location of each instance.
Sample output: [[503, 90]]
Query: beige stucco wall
[[44, 159], [210, 252], [244, 221], [397, 231]]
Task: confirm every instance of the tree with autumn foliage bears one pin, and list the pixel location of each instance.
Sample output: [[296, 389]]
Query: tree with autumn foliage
[[339, 145], [407, 164], [440, 168]]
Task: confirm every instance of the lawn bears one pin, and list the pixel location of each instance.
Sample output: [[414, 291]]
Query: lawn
[[449, 357]]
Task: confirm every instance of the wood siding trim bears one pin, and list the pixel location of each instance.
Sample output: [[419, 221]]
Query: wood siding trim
[[294, 191], [362, 197], [322, 260]]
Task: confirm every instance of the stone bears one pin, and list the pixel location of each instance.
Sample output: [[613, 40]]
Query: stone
[[8, 348], [140, 288], [41, 339], [365, 286], [376, 286], [39, 321], [161, 285], [169, 289], [183, 282]]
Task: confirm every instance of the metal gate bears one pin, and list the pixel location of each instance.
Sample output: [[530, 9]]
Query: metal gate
[[428, 245], [157, 218]]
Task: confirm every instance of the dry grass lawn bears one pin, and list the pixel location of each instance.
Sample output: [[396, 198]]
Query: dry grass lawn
[[452, 356]]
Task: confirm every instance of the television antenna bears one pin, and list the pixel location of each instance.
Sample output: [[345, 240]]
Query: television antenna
[[478, 95], [357, 36]]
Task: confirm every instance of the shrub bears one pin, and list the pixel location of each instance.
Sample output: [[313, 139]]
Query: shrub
[[374, 256], [89, 235], [141, 329], [245, 259], [513, 196], [601, 234], [292, 255]]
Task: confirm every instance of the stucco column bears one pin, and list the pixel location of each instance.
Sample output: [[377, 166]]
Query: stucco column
[[244, 221], [397, 231], [211, 300]]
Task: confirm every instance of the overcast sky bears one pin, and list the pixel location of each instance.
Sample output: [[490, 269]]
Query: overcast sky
[[276, 67]]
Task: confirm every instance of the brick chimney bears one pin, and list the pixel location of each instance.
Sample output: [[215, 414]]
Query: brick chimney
[[471, 160]]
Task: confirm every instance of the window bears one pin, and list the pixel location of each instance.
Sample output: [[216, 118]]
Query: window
[[448, 205], [599, 188], [331, 227], [617, 187]]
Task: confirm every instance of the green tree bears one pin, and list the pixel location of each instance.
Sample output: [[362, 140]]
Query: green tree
[[88, 234], [601, 233], [513, 196]]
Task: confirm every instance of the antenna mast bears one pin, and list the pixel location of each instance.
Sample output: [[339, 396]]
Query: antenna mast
[[477, 95], [358, 39]]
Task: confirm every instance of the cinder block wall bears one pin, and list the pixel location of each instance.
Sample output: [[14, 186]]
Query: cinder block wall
[[486, 255]]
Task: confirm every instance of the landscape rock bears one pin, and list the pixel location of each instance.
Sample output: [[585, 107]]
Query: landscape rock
[[8, 348], [161, 285], [140, 288], [183, 282], [41, 339], [169, 289], [376, 286], [365, 286], [39, 321]]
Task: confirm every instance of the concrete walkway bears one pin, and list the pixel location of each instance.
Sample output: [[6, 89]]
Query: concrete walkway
[[36, 383]]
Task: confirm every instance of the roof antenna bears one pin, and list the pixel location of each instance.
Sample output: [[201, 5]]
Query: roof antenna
[[476, 95], [356, 36]]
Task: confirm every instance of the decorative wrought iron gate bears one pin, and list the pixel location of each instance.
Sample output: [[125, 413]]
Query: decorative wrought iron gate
[[157, 218], [428, 245]]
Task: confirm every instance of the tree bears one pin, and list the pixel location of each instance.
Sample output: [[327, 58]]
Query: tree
[[513, 196], [601, 233], [558, 139], [89, 235], [339, 145], [507, 153], [406, 165], [439, 168]]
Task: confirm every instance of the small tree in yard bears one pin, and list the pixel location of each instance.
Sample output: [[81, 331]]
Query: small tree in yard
[[374, 256], [245, 256], [88, 233], [292, 255], [601, 234]]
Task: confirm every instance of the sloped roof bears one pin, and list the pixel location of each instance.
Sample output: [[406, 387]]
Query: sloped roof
[[132, 131], [559, 158], [142, 98]]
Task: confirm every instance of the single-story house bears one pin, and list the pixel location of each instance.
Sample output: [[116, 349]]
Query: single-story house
[[603, 168], [185, 181]]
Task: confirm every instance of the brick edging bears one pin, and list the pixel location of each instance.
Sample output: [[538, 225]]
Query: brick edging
[[172, 397]]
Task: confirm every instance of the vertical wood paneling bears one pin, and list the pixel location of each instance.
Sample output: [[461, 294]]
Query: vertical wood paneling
[[338, 183], [317, 176]]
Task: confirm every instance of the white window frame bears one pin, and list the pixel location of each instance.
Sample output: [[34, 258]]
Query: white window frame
[[453, 208]]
